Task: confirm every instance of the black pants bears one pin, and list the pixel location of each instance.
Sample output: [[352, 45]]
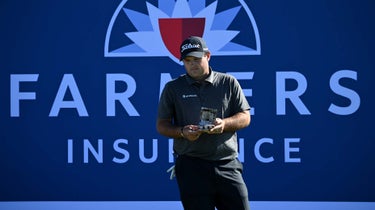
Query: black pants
[[205, 185]]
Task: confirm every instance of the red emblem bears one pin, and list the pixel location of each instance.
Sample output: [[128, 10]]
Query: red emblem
[[175, 30]]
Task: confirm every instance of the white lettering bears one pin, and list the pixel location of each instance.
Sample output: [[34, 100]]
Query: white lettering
[[154, 155], [98, 154], [247, 92], [68, 82], [241, 150], [288, 149], [117, 148], [113, 97], [294, 96], [190, 46], [257, 150], [353, 96], [98, 151], [16, 95], [70, 150], [170, 151], [122, 97]]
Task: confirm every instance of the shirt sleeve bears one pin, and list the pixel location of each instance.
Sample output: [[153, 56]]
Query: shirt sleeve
[[166, 107], [239, 99]]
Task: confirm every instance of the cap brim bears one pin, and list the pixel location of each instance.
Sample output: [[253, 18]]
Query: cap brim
[[194, 54]]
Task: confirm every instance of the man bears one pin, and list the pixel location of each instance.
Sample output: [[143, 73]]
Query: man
[[208, 172]]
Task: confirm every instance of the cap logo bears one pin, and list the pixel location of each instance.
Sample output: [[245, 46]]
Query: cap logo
[[190, 46]]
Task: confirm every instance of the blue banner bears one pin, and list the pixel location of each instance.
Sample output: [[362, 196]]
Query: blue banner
[[80, 83]]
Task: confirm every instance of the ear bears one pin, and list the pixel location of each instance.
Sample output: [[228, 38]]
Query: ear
[[208, 55]]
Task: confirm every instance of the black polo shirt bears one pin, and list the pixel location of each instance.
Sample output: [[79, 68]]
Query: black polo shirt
[[181, 101]]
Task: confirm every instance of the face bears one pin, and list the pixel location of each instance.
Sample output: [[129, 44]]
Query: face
[[197, 68]]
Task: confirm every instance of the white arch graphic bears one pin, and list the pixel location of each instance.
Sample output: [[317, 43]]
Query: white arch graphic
[[107, 53]]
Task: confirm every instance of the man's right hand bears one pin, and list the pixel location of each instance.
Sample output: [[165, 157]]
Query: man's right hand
[[191, 132]]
